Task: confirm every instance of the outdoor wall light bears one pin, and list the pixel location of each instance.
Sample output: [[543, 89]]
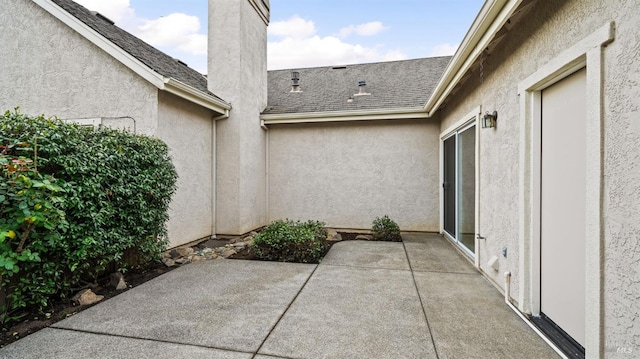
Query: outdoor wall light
[[489, 119]]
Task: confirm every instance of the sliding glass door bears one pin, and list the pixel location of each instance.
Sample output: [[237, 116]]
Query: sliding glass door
[[459, 187]]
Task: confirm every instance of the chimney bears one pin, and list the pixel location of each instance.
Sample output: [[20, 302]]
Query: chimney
[[238, 74], [295, 82]]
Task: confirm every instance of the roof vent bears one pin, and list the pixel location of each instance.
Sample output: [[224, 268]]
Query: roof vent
[[339, 67], [295, 82], [102, 17], [180, 62], [363, 89]]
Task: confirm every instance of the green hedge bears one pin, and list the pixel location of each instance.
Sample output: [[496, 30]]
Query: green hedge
[[73, 200]]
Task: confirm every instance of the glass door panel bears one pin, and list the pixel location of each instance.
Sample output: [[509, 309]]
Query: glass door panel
[[449, 185], [467, 187], [459, 187]]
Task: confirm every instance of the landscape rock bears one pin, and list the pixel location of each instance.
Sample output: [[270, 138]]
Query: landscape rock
[[364, 237], [181, 252], [229, 253], [182, 260], [168, 262], [87, 297], [213, 243], [117, 281], [333, 236]]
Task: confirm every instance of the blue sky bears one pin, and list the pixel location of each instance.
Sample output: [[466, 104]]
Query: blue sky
[[307, 33]]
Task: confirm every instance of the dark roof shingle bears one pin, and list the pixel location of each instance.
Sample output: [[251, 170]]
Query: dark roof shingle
[[394, 84], [153, 58]]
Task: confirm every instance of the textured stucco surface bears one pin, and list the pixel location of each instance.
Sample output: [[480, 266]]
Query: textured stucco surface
[[347, 174], [49, 68], [188, 131], [547, 30], [238, 73]]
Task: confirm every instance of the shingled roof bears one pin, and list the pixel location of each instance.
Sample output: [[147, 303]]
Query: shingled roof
[[155, 59], [392, 85]]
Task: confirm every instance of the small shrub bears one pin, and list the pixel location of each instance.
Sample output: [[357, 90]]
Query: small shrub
[[289, 241], [385, 229]]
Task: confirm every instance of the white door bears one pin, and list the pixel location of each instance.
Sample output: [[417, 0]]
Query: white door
[[562, 217]]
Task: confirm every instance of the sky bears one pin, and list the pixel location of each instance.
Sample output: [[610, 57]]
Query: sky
[[306, 33]]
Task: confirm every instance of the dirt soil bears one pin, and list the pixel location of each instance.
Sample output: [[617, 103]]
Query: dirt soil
[[32, 321]]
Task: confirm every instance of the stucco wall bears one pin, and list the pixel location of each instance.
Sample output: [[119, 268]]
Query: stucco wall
[[237, 31], [347, 174], [49, 68], [188, 131], [546, 31]]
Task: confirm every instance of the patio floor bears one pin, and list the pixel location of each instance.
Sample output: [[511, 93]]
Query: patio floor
[[416, 299]]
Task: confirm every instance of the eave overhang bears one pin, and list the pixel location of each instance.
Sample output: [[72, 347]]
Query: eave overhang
[[342, 116], [493, 15], [162, 83]]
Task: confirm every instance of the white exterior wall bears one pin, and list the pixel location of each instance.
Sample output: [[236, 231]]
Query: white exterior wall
[[238, 74], [48, 68], [347, 174], [548, 30], [51, 69], [188, 131]]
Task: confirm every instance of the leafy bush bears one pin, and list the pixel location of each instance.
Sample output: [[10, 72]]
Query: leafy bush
[[80, 198], [289, 241], [31, 226], [385, 229]]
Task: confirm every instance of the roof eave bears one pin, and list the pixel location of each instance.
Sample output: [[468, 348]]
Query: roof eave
[[490, 19], [187, 92], [343, 116], [170, 85]]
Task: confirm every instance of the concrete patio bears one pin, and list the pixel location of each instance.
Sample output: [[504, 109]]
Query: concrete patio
[[416, 299]]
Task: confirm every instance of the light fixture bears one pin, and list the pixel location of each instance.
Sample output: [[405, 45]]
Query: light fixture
[[489, 119]]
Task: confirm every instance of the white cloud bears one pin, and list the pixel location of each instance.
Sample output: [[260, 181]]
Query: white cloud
[[177, 30], [323, 51], [117, 11], [292, 43], [368, 29], [295, 27], [443, 50], [298, 45], [177, 33]]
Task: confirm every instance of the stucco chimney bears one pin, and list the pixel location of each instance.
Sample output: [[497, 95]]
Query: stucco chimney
[[237, 72]]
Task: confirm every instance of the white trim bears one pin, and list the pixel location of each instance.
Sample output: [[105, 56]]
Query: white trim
[[198, 97], [170, 85], [462, 122], [492, 17], [589, 52], [341, 116]]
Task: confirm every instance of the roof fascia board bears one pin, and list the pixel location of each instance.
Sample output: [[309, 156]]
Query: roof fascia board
[[489, 21], [344, 116], [103, 43], [169, 84], [187, 92]]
